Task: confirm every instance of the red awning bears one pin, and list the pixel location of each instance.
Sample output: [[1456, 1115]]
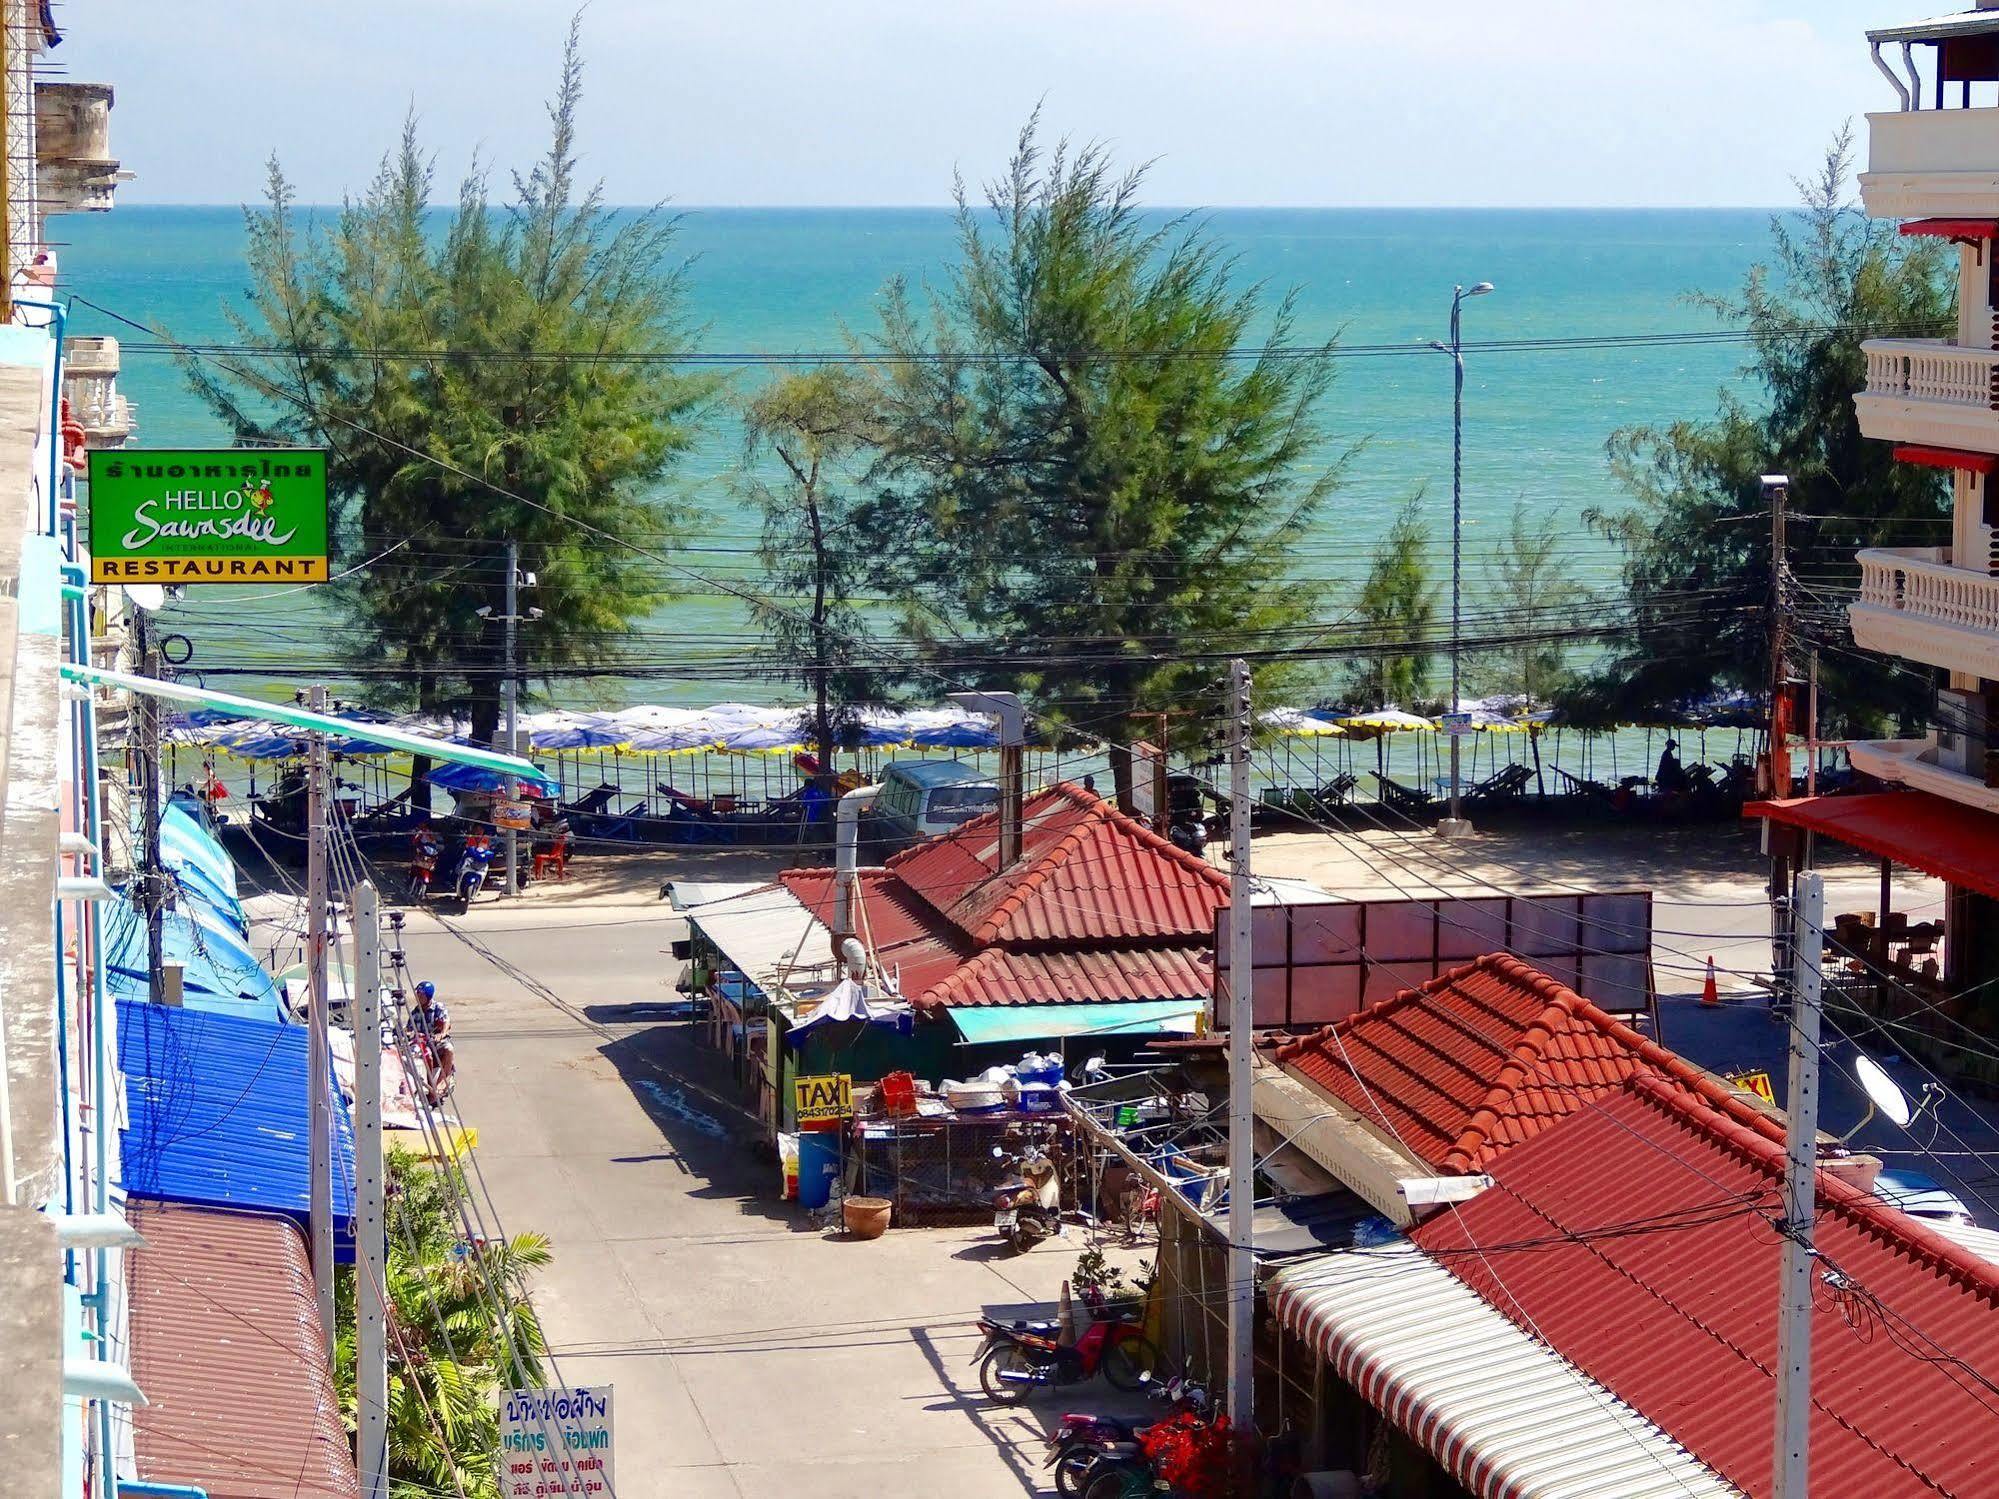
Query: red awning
[[1977, 463], [1954, 228], [1956, 843]]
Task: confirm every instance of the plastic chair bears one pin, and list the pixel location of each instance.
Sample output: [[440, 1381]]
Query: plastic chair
[[555, 857]]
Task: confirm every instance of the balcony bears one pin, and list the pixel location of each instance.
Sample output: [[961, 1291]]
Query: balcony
[[1926, 391], [1919, 765], [1915, 605], [75, 171], [1932, 163]]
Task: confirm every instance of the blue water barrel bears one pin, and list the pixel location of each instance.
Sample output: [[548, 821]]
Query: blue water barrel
[[818, 1164]]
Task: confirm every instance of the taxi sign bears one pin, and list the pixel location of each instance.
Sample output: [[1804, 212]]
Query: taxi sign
[[824, 1099]]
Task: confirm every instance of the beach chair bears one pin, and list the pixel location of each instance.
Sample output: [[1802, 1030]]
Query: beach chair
[[1505, 785], [1401, 798]]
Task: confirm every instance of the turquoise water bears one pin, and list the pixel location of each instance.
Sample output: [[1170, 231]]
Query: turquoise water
[[791, 280]]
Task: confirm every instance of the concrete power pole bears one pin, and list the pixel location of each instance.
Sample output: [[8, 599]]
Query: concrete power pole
[[152, 877], [371, 1246], [1242, 1119], [318, 1064], [1794, 1287], [510, 789]]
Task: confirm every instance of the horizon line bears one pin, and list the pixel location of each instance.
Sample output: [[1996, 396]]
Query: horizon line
[[1155, 207]]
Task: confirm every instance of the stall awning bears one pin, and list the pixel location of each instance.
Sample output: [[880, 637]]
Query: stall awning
[[764, 932], [1507, 1416], [1956, 843], [987, 1025], [1953, 228], [1958, 458]]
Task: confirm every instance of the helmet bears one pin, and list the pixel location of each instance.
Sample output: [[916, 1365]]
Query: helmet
[[426, 990]]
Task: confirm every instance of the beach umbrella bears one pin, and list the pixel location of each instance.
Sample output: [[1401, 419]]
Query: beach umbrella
[[559, 729], [656, 730], [786, 735], [1387, 721], [474, 778], [1297, 721]]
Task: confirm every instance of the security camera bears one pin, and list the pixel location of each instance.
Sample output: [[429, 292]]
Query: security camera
[[484, 611], [528, 580], [534, 614]]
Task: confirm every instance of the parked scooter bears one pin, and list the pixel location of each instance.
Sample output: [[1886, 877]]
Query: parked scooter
[[472, 867], [1081, 1439], [1028, 1208], [1022, 1356], [425, 846]]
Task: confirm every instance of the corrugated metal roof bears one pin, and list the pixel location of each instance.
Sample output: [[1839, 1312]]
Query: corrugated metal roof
[[1679, 1320], [1476, 1061], [226, 1343], [1506, 1416], [217, 1114], [1087, 874], [764, 933]]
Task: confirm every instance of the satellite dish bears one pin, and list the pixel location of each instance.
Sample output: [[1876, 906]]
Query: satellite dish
[[147, 596], [1882, 1090]]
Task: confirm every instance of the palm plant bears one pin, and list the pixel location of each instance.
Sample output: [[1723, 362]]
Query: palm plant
[[460, 1330]]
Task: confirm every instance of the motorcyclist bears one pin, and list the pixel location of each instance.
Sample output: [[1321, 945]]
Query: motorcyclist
[[440, 1054]]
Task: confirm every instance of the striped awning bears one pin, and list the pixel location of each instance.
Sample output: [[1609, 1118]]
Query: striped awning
[[1503, 1413]]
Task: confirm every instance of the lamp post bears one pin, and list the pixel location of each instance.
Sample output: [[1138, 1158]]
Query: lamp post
[[1457, 826]]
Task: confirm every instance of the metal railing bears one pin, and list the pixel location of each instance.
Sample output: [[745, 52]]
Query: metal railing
[[1925, 369]]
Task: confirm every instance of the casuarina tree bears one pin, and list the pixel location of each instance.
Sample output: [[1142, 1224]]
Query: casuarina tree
[[1697, 533], [482, 373], [1095, 449]]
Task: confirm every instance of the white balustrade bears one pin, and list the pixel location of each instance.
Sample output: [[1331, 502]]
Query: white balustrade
[[1917, 582], [1922, 369]]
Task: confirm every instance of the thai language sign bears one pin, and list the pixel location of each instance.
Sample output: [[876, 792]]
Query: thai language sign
[[555, 1444], [823, 1099], [208, 515]]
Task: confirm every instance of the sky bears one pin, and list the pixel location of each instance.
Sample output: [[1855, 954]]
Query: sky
[[1392, 103]]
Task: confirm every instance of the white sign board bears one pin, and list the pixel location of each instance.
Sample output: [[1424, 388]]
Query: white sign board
[[555, 1443]]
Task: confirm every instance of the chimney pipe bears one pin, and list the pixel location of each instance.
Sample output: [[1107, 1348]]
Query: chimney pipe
[[1004, 706], [846, 857]]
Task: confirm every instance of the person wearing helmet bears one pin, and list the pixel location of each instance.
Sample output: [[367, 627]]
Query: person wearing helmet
[[439, 1050]]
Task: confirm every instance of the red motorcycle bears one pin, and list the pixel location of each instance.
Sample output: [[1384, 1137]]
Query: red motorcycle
[[1081, 1439], [1023, 1356], [425, 846]]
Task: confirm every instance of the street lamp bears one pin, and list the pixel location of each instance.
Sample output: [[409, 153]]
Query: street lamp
[[1457, 826]]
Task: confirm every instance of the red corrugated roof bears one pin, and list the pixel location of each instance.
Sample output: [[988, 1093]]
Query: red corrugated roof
[[1679, 1319], [226, 1343], [1087, 874], [938, 966], [1956, 843], [1478, 1060]]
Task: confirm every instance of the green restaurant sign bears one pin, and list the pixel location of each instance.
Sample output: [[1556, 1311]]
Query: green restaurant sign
[[208, 515]]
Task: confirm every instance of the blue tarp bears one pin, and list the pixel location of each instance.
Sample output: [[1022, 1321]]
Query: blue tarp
[[218, 970], [218, 1115], [198, 860], [472, 778], [983, 1025]]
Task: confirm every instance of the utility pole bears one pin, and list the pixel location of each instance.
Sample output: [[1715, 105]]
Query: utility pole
[[510, 789], [1777, 490], [1242, 1024], [1005, 706], [318, 1064], [371, 1244], [1794, 1287], [1457, 826], [146, 744]]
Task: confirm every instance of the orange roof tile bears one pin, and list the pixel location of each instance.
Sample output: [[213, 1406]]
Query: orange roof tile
[[1484, 1057]]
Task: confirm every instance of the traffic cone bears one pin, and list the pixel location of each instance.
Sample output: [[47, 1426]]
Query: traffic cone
[[1710, 992]]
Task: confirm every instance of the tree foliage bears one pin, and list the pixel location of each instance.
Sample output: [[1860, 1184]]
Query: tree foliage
[[1396, 608], [516, 427], [804, 435], [1697, 533], [460, 1330], [1076, 478], [1530, 571]]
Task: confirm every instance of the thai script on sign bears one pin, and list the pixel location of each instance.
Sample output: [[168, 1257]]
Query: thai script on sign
[[555, 1444], [556, 1405]]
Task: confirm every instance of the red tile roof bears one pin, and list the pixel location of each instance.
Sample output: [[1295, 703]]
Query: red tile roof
[[1480, 1059], [1087, 874], [1678, 1318], [226, 1345], [938, 966]]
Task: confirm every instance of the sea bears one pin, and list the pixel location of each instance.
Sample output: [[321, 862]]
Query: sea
[[800, 280]]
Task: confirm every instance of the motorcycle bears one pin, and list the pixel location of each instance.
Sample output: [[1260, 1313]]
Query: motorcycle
[[424, 849], [472, 867], [1028, 1208], [1023, 1356], [1081, 1439]]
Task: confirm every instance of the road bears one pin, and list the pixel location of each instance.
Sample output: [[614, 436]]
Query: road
[[753, 1356]]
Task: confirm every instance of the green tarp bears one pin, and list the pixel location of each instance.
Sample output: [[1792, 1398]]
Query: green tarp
[[986, 1025]]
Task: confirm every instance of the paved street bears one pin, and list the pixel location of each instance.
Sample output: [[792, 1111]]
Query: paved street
[[752, 1355]]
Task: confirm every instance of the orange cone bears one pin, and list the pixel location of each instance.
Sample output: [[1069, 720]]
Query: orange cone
[[1710, 992]]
